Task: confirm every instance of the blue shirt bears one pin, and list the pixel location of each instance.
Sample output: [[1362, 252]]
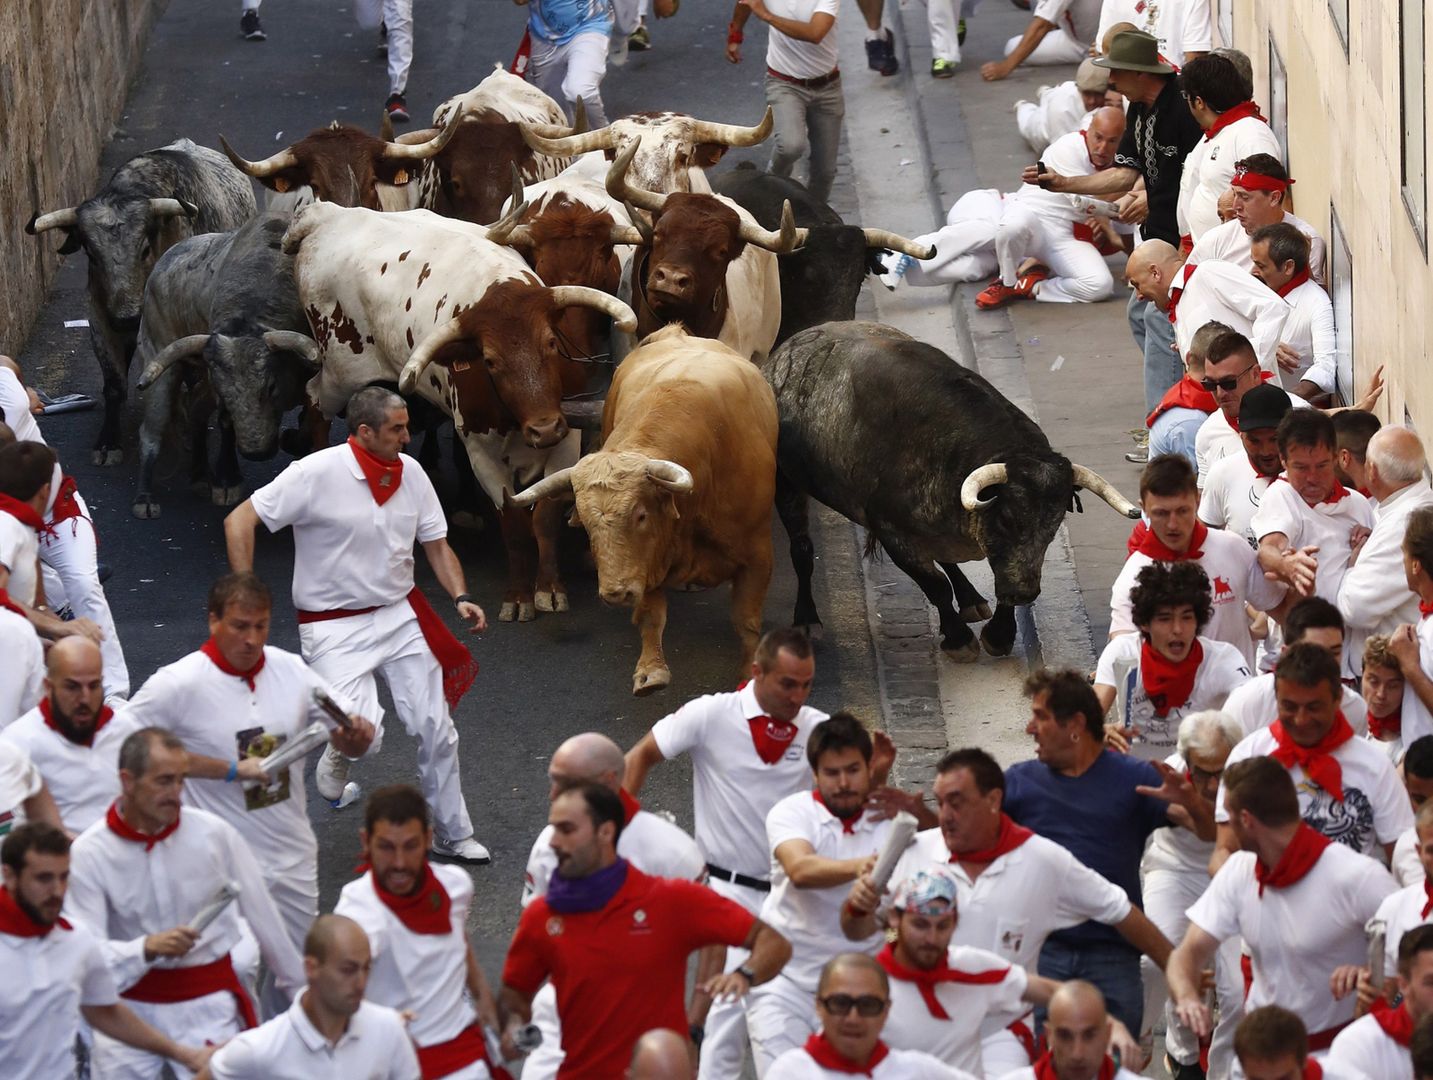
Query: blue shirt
[[1173, 432], [557, 22], [1096, 816]]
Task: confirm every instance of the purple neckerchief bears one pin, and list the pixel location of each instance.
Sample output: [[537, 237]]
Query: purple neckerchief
[[574, 896]]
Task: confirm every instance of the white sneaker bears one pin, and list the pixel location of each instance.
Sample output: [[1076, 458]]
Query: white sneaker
[[466, 850], [896, 274], [351, 794], [331, 774]]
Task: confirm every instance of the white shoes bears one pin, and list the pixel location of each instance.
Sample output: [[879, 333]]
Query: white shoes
[[466, 850], [331, 776], [896, 274]]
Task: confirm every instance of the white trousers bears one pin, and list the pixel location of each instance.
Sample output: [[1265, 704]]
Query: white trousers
[[1059, 46], [397, 17], [965, 246], [571, 71], [724, 1044], [780, 1016], [348, 652], [212, 1018], [69, 561], [1030, 120], [1080, 274], [543, 1063], [943, 19]]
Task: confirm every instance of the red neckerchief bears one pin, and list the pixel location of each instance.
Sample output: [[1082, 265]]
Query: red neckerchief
[[1424, 610], [1168, 684], [1392, 724], [630, 806], [1293, 282], [1313, 1070], [1177, 291], [1428, 893], [770, 736], [126, 831], [1010, 837], [825, 1055], [1396, 1021], [10, 605], [927, 981], [22, 512], [1185, 394], [428, 910], [1045, 1068], [1152, 546], [848, 825], [383, 476], [1338, 492], [1230, 116], [1317, 761], [211, 649], [16, 921], [1297, 860], [105, 716]]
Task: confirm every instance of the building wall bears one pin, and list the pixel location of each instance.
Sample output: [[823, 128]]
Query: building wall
[[1345, 152], [65, 66]]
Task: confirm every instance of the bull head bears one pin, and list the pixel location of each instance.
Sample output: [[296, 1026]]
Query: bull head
[[510, 233], [995, 473]]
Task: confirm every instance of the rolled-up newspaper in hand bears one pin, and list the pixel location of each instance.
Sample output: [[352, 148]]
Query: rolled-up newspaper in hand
[[295, 749], [903, 829], [1377, 931], [331, 709], [226, 895], [1098, 207]]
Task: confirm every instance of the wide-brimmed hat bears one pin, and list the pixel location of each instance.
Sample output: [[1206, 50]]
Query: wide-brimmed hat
[[1134, 50]]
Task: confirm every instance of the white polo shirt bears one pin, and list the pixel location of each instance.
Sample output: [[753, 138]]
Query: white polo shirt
[[1364, 1046], [1182, 26], [375, 1047], [84, 780], [797, 1064], [47, 980], [811, 918], [1309, 331], [1326, 526], [651, 843], [1298, 934], [1209, 167], [19, 548], [1374, 810], [1069, 155], [1407, 867], [956, 1038], [1235, 579], [1216, 439], [19, 780], [1229, 243], [1255, 706], [1222, 670], [1223, 292], [23, 684], [217, 715], [1400, 913], [802, 59], [349, 552], [1231, 495], [1080, 18], [733, 789]]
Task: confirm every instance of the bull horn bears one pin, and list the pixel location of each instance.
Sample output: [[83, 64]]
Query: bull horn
[[787, 238], [562, 131], [294, 342], [629, 234], [385, 127], [566, 145], [171, 354], [982, 478], [882, 238], [397, 151], [618, 187], [423, 355], [670, 475], [559, 483], [1096, 484], [67, 218], [733, 134], [579, 117], [173, 208], [623, 317], [506, 229], [642, 225], [284, 159]]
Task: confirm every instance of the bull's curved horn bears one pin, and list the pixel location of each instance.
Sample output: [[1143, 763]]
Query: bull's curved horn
[[506, 229], [67, 218], [1096, 484], [787, 238], [170, 355], [579, 117], [983, 477], [623, 317], [733, 134], [294, 342], [173, 208], [559, 483], [629, 234], [284, 159], [567, 145], [618, 187], [423, 355], [641, 224], [385, 127], [670, 475], [397, 151], [882, 238]]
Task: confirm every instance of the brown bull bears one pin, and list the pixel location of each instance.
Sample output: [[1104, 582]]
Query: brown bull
[[680, 495]]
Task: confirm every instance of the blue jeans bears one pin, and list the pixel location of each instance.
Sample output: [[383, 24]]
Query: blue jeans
[[1114, 968], [1154, 336]]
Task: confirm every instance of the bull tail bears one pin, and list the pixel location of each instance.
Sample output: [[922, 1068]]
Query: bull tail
[[874, 552]]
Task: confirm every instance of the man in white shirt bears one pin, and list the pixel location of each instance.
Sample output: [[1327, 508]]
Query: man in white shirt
[[1307, 359], [1235, 484], [1412, 904], [1231, 370], [1381, 686], [23, 794], [233, 702], [72, 736], [1175, 422], [330, 1032], [356, 513], [1059, 32], [1273, 1044], [1412, 645], [1258, 188], [1374, 596], [21, 688], [1061, 109], [55, 973], [1299, 901], [1079, 1030], [1183, 28], [415, 914], [1378, 1043], [141, 876]]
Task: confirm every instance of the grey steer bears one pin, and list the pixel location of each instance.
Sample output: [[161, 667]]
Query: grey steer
[[150, 203], [932, 460], [222, 317]]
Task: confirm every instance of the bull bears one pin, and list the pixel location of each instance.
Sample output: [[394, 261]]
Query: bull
[[680, 494], [932, 461], [222, 315], [152, 202]]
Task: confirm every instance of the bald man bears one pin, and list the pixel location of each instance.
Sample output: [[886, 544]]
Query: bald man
[[1077, 1030], [330, 1032], [661, 1055], [651, 843], [72, 736]]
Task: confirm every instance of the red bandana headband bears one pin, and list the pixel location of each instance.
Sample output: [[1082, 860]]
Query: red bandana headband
[[1252, 181]]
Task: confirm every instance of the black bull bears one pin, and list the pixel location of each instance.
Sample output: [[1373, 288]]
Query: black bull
[[932, 460]]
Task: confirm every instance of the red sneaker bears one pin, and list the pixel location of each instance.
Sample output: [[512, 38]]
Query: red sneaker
[[998, 294]]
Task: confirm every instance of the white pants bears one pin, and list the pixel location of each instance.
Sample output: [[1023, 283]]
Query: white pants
[[780, 1016], [347, 652], [724, 1044], [543, 1063], [69, 561], [1079, 272], [965, 246], [1059, 46], [397, 17], [575, 70], [943, 19], [211, 1018]]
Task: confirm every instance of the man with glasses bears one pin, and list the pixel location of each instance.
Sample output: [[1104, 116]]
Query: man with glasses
[[853, 999], [1231, 370]]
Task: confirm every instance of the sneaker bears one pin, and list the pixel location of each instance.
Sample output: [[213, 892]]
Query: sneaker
[[351, 794], [465, 851], [397, 108], [331, 774], [250, 27], [640, 39], [998, 294], [942, 69], [881, 54], [896, 274], [960, 32], [1138, 457]]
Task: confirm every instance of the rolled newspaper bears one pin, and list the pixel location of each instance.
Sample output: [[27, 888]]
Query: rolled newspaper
[[1377, 931], [226, 895], [331, 709], [903, 830], [295, 749], [1098, 207]]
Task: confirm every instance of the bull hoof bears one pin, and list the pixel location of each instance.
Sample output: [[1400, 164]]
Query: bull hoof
[[975, 612], [550, 601], [507, 612], [466, 519], [968, 653], [145, 509], [996, 648], [525, 611], [644, 683], [107, 456], [227, 496]]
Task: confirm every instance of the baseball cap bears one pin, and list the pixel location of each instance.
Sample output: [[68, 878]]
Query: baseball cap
[[1091, 78], [926, 892], [1263, 407]]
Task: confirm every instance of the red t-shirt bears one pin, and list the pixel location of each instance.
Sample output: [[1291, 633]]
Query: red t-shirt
[[620, 971]]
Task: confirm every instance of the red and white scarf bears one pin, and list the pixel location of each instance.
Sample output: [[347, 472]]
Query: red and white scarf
[[927, 981]]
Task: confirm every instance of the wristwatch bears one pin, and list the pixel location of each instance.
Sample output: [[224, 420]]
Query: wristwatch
[[462, 598], [745, 970]]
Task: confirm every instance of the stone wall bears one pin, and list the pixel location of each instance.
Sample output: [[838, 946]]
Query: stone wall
[[65, 67]]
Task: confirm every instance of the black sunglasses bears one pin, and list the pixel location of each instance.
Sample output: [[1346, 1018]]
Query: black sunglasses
[[1229, 384], [867, 1005]]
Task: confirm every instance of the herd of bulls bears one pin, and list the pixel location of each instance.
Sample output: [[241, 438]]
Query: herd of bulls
[[500, 266]]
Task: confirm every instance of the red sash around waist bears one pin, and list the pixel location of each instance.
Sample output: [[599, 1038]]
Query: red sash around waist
[[168, 986], [445, 1058]]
